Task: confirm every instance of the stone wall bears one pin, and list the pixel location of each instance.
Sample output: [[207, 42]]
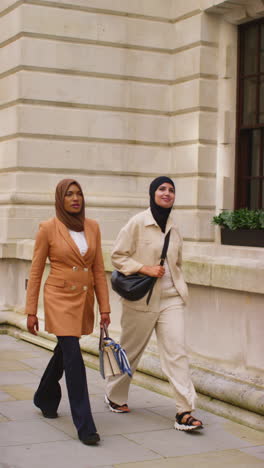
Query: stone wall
[[113, 97]]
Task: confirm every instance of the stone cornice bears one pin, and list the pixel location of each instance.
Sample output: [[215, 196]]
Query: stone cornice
[[236, 11]]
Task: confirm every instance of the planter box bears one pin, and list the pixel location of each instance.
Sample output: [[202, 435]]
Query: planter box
[[245, 237]]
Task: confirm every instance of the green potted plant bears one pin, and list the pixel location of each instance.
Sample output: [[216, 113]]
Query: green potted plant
[[241, 227]]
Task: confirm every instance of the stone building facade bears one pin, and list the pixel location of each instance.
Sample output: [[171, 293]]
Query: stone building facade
[[115, 93]]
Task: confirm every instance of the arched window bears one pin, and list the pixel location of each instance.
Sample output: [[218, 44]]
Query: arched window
[[250, 128]]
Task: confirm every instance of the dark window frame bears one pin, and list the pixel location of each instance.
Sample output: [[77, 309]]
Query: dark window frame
[[246, 132]]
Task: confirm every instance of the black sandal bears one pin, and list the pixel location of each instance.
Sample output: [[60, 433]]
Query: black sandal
[[188, 424]]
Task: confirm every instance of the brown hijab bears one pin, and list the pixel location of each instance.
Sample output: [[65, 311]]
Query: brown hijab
[[74, 221]]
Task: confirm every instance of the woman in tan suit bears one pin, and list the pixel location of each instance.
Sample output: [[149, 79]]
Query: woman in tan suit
[[138, 250], [73, 245]]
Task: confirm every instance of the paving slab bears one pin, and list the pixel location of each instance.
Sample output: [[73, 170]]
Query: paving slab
[[18, 392], [142, 398], [251, 436], [138, 421], [95, 377], [13, 354], [95, 388], [108, 423], [3, 418], [36, 362], [28, 432], [12, 364], [18, 344], [169, 443], [18, 410], [221, 459], [38, 372], [257, 452], [97, 403], [72, 453], [4, 396], [24, 410], [12, 377]]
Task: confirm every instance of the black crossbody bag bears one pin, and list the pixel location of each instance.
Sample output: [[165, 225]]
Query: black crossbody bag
[[134, 287]]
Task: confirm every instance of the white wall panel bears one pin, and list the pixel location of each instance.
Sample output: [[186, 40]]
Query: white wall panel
[[90, 158], [96, 27], [93, 124], [93, 91], [152, 8], [95, 59]]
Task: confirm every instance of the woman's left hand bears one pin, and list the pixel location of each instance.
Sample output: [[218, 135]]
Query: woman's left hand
[[105, 320]]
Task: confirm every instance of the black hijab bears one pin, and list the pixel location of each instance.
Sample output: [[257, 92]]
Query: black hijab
[[159, 213]]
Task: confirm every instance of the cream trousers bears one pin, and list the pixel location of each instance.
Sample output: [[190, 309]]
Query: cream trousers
[[137, 327]]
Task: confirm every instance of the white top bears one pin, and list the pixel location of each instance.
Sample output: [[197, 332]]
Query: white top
[[80, 240], [166, 279]]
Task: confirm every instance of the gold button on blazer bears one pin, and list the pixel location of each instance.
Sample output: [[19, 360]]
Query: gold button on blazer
[[73, 279]]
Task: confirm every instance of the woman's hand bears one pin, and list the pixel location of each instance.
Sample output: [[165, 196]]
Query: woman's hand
[[105, 320], [157, 271], [32, 324]]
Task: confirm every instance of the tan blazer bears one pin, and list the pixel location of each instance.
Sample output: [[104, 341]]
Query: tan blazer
[[140, 243], [73, 279]]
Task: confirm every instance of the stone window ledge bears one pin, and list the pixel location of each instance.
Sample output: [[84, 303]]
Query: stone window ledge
[[237, 274], [214, 265], [224, 266]]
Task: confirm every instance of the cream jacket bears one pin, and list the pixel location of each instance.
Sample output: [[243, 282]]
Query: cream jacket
[[140, 243]]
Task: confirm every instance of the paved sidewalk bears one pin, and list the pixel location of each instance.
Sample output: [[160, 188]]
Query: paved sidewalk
[[142, 439]]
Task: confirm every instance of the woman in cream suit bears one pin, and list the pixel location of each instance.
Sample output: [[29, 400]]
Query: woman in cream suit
[[73, 245], [138, 249]]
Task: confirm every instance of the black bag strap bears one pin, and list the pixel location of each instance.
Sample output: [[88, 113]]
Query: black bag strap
[[165, 248], [162, 260]]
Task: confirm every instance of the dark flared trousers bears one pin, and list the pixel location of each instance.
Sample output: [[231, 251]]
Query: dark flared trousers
[[67, 356]]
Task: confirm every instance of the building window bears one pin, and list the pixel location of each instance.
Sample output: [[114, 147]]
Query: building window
[[250, 129]]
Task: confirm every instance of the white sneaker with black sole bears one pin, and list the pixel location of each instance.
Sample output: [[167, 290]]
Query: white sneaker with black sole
[[188, 424]]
